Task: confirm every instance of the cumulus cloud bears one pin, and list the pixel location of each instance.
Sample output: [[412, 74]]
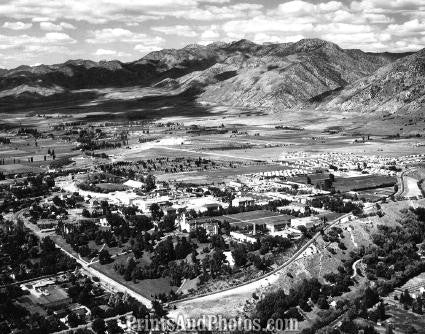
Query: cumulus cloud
[[31, 46], [210, 34], [179, 30], [97, 11], [107, 54], [110, 35], [17, 25], [109, 28], [50, 26], [261, 38], [144, 49]]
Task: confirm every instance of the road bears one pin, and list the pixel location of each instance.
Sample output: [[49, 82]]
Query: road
[[260, 282], [107, 282], [355, 268], [408, 186]]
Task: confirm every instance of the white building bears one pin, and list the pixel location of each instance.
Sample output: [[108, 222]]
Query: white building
[[134, 184], [243, 202], [308, 222], [243, 237]]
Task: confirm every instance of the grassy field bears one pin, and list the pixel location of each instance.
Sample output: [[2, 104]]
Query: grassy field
[[147, 287], [376, 194]]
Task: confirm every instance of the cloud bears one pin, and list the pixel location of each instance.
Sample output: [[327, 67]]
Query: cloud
[[49, 26], [267, 25], [17, 25], [296, 7], [384, 5], [179, 30], [32, 46], [408, 28], [110, 35], [146, 48], [210, 34], [213, 13], [261, 38], [97, 11], [107, 54], [99, 27]]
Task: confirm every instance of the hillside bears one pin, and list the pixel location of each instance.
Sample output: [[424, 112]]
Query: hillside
[[397, 86], [242, 73]]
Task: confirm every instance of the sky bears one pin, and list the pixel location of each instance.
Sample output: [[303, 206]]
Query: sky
[[52, 31]]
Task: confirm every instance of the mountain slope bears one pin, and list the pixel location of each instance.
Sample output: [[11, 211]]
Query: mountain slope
[[277, 76], [286, 76], [397, 86]]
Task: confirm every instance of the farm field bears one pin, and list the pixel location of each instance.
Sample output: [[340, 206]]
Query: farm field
[[351, 183]]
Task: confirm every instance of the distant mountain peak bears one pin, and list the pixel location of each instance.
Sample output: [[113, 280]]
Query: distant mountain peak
[[244, 73]]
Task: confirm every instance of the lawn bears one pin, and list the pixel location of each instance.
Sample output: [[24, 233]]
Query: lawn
[[147, 287]]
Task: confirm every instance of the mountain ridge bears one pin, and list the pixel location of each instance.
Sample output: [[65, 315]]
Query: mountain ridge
[[242, 73]]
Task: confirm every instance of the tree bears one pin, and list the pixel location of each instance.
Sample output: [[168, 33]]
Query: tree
[[99, 326], [48, 246], [85, 213], [73, 320], [322, 303], [104, 256], [150, 182], [168, 223], [240, 255], [381, 310], [156, 211], [158, 309], [113, 328], [389, 329], [411, 330]]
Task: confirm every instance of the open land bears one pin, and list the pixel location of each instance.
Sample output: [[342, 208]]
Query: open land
[[216, 169]]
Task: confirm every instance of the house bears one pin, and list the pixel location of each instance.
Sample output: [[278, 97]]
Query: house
[[134, 184], [242, 237], [201, 203], [308, 222], [210, 226], [43, 224], [145, 204], [169, 210], [289, 233], [126, 198], [212, 207], [103, 222], [243, 202], [275, 226], [52, 296], [296, 207]]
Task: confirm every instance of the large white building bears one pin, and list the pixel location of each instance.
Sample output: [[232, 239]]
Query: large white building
[[243, 237]]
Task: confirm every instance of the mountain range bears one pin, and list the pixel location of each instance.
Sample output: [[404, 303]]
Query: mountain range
[[308, 73]]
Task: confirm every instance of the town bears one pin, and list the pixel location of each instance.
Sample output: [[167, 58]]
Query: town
[[92, 234]]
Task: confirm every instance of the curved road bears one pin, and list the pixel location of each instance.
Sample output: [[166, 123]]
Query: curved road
[[261, 281], [355, 268], [107, 282]]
